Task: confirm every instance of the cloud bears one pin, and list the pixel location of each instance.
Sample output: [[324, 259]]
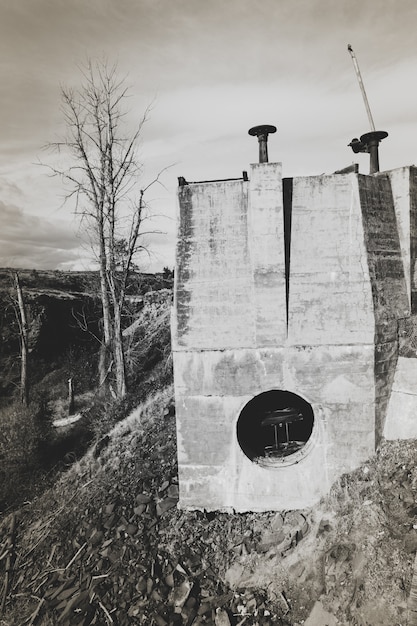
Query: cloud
[[29, 241], [34, 242], [216, 68]]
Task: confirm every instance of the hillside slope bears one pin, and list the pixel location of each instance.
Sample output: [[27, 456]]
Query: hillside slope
[[63, 311], [107, 545]]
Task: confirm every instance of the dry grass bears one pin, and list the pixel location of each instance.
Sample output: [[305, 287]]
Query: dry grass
[[23, 432], [354, 551], [50, 525]]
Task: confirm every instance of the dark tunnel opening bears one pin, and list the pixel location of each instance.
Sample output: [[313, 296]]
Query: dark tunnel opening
[[274, 425]]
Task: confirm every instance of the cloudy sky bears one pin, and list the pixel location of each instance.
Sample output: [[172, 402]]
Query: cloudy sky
[[212, 69]]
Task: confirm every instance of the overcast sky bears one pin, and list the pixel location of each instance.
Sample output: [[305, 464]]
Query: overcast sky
[[213, 69]]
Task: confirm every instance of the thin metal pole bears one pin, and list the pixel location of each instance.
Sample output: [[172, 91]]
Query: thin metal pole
[[276, 437], [361, 85]]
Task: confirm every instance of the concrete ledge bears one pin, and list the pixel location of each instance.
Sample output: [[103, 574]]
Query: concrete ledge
[[401, 421]]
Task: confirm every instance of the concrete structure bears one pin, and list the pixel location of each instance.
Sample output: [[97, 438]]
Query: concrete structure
[[288, 299]]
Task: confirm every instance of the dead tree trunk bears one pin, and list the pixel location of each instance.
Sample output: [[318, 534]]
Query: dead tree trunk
[[23, 335], [119, 357], [105, 348]]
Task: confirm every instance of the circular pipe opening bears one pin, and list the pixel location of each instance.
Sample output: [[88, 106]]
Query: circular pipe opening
[[274, 425]]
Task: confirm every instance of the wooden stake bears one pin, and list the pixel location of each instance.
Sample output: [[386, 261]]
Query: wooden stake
[[70, 397]]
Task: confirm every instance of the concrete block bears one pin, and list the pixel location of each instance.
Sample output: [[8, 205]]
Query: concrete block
[[294, 287], [267, 251], [330, 296], [245, 486], [213, 308], [383, 247], [228, 372], [321, 373], [206, 427], [401, 421]]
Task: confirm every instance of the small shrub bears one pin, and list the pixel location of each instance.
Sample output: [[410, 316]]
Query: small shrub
[[24, 431]]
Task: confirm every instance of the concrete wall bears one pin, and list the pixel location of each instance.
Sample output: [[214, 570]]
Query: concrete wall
[[404, 189], [389, 290], [213, 229], [309, 308], [401, 421]]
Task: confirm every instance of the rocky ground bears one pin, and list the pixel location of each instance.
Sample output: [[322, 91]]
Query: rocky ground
[[108, 545]]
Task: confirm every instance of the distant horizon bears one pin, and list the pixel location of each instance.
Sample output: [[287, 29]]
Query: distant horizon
[[71, 271]]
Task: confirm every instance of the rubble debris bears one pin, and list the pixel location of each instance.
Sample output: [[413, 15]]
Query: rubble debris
[[100, 445], [120, 551], [320, 617], [222, 618]]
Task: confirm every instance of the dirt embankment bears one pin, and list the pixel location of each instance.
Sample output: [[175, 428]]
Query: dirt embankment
[[107, 545]]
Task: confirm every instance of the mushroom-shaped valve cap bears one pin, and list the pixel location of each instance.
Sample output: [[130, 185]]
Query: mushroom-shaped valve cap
[[262, 133], [263, 129]]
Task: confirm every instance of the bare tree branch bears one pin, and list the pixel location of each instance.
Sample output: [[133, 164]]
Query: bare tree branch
[[101, 171]]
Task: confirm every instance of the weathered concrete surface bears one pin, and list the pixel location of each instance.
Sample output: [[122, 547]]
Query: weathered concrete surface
[[214, 276], [330, 299], [404, 190], [383, 248], [215, 473], [347, 283], [400, 185], [266, 241], [389, 290], [401, 420], [220, 476], [308, 304], [232, 264]]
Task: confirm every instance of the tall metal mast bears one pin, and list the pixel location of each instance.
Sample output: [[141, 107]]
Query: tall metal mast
[[362, 87], [369, 142]]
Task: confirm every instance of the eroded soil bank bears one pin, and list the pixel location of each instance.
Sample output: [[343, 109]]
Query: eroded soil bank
[[108, 545]]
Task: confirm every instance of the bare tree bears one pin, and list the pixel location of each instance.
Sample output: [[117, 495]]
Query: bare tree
[[103, 176], [23, 337]]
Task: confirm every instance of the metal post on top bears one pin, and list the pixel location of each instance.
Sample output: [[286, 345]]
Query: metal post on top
[[369, 142]]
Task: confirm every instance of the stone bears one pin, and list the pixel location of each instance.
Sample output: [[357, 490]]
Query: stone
[[221, 618], [410, 542], [277, 522], [179, 595], [164, 505], [320, 617], [131, 529], [173, 491], [164, 486], [324, 526], [234, 574], [274, 540], [143, 498]]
